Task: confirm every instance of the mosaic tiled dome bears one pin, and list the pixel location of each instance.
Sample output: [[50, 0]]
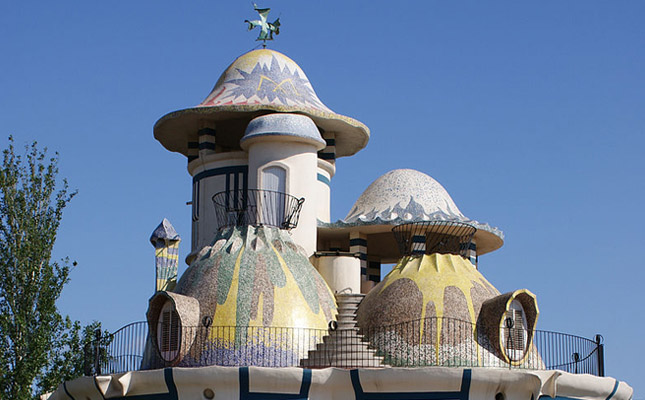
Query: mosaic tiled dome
[[406, 195], [258, 82], [257, 276], [251, 298], [427, 308]]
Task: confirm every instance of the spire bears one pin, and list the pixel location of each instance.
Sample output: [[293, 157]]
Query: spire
[[166, 242]]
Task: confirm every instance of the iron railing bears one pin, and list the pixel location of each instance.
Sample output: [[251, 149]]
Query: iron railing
[[427, 237], [425, 342], [257, 207]]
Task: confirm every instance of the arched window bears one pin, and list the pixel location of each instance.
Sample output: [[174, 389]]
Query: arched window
[[514, 331], [168, 332], [272, 207], [274, 178]]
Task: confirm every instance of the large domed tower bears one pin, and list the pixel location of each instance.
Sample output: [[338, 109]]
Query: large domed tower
[[261, 149]]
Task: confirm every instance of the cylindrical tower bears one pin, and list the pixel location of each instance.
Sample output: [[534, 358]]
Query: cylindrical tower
[[282, 151]]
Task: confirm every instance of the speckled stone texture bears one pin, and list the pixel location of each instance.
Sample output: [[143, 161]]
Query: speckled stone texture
[[425, 312], [406, 195], [188, 312], [295, 126], [255, 277], [493, 313]]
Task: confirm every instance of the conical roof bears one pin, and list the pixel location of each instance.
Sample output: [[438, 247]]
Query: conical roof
[[258, 82]]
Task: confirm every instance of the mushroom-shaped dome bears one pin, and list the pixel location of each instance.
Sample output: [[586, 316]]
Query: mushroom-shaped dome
[[406, 195], [257, 82]]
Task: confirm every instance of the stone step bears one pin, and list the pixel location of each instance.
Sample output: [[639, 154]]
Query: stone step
[[320, 359], [371, 363], [343, 347], [348, 307], [349, 299], [362, 365], [343, 339], [346, 326], [349, 315]]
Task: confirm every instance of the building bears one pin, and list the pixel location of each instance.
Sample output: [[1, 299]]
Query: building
[[279, 302]]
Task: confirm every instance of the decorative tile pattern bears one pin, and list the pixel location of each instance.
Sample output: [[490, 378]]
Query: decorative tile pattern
[[259, 81], [264, 77], [166, 242], [407, 195], [444, 293], [256, 277]]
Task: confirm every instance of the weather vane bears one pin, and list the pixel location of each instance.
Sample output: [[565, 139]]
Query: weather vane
[[266, 28]]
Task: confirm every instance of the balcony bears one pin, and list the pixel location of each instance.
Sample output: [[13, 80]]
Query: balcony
[[428, 237], [254, 207]]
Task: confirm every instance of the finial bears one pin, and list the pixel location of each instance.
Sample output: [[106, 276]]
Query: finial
[[266, 28]]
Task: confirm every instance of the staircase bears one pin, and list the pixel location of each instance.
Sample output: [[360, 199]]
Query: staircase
[[343, 347]]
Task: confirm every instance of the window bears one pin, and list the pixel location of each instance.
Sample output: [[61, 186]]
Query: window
[[274, 178], [168, 332], [514, 331]]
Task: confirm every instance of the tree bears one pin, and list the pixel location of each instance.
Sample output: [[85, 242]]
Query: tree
[[31, 208], [71, 356]]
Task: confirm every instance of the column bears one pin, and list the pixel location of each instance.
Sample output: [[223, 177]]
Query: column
[[358, 245]]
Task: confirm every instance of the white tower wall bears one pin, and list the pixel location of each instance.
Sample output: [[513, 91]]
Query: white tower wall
[[284, 147], [324, 174], [342, 273], [299, 160], [211, 174]]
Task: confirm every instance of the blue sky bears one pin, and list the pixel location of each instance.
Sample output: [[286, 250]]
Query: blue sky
[[531, 115]]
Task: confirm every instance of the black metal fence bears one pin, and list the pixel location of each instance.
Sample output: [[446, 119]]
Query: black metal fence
[[117, 352], [257, 207], [429, 342]]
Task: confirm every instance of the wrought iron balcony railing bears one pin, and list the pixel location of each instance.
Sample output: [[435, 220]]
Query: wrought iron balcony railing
[[427, 342], [427, 237], [257, 208]]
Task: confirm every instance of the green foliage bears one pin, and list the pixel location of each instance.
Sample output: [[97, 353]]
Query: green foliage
[[71, 356], [31, 329]]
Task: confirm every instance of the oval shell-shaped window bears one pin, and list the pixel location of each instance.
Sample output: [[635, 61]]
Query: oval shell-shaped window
[[168, 332], [514, 333]]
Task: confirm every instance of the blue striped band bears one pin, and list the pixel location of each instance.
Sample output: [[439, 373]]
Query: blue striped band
[[322, 178]]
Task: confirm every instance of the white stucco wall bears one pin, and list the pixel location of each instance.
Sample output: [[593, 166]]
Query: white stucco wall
[[204, 226], [300, 161], [333, 383], [326, 170], [341, 273]]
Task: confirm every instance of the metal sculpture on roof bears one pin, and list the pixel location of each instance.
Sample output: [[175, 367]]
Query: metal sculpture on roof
[[266, 28]]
